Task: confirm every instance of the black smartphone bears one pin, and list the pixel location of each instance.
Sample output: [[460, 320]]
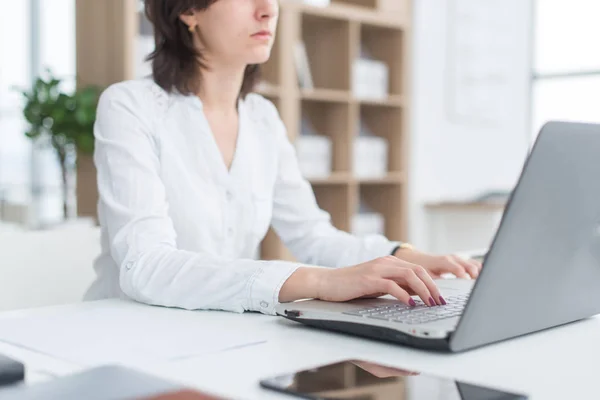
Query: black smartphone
[[363, 380]]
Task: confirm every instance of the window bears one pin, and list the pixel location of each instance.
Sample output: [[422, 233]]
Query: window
[[34, 35], [56, 52], [15, 70], [566, 74]]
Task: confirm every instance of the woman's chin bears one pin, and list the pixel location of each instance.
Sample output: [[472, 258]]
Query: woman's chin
[[259, 56]]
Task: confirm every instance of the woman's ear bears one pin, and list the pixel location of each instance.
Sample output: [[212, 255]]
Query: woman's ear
[[189, 18]]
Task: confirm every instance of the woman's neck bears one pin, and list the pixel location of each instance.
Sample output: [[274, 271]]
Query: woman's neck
[[220, 88]]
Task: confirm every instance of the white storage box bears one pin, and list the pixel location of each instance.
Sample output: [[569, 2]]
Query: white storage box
[[314, 155], [370, 79], [370, 223], [370, 157]]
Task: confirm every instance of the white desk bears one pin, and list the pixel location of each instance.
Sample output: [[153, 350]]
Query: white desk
[[557, 364]]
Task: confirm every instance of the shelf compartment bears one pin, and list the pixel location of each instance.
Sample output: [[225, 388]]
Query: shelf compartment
[[268, 90], [331, 120], [391, 178], [349, 12], [367, 4], [400, 7], [336, 178], [326, 95], [386, 45], [387, 199], [396, 101], [335, 200], [327, 43], [387, 123]]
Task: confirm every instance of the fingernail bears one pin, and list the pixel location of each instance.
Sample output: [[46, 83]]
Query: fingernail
[[443, 301], [432, 302], [412, 303]]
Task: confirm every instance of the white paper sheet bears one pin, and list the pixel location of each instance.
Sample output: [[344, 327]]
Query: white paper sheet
[[129, 333]]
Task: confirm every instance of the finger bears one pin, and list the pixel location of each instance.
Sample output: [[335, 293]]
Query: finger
[[392, 288], [431, 285], [404, 273], [420, 288], [434, 275], [452, 266], [372, 296], [478, 264], [469, 266], [415, 277]]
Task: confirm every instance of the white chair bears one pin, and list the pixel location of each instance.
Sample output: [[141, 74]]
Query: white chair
[[50, 267]]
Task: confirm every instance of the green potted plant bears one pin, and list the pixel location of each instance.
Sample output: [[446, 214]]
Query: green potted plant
[[65, 119]]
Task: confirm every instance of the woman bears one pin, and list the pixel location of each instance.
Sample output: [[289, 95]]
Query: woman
[[192, 170]]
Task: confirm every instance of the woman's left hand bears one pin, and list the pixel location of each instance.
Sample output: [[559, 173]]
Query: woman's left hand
[[436, 266]]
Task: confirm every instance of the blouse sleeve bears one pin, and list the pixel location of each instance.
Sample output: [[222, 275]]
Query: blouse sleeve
[[141, 234]]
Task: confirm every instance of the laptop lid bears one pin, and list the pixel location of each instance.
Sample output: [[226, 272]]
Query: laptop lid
[[543, 268]]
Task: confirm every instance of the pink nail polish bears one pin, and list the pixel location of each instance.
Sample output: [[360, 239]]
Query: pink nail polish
[[443, 301], [432, 302], [412, 303]]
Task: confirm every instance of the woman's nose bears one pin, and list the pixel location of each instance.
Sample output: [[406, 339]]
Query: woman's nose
[[267, 9]]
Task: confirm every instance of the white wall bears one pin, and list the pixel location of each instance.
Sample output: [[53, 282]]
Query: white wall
[[457, 159], [46, 267]]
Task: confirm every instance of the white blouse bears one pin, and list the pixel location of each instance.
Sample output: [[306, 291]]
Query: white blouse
[[181, 230]]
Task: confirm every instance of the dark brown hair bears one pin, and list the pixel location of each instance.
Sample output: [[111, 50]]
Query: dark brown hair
[[175, 61]]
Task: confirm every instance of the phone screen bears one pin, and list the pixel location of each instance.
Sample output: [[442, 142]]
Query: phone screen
[[361, 380]]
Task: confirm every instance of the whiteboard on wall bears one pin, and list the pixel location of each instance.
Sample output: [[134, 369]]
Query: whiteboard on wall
[[479, 56]]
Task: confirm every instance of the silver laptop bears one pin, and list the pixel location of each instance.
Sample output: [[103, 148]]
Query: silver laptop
[[542, 269]]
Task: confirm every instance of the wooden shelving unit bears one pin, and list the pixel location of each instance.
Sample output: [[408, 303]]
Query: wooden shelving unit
[[392, 178], [333, 37], [326, 95], [336, 178], [270, 91], [391, 101]]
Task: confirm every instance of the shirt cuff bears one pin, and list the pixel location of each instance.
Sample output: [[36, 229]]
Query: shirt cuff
[[266, 285]]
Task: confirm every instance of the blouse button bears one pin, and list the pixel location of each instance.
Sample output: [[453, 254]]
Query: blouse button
[[264, 304], [229, 195]]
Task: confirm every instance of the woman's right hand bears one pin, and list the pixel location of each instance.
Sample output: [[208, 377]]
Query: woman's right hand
[[386, 275]]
